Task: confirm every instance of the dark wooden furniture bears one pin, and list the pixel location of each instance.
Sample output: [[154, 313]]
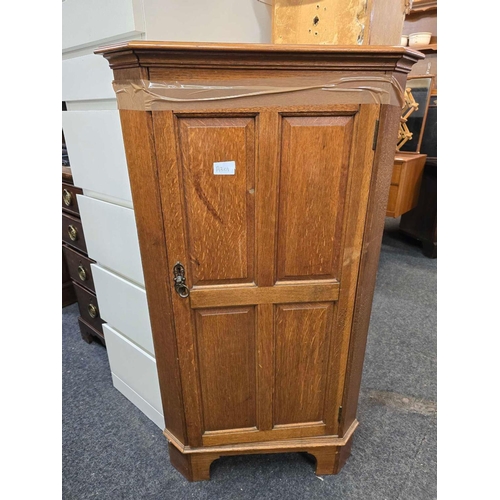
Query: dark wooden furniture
[[76, 263], [68, 290], [421, 222], [259, 281]]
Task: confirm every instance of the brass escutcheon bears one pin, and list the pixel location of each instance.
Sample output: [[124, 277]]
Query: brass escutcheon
[[180, 281]]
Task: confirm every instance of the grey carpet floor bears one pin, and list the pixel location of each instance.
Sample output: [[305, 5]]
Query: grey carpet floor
[[112, 451]]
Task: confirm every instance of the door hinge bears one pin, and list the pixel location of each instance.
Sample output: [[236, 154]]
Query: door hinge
[[340, 414], [375, 135]]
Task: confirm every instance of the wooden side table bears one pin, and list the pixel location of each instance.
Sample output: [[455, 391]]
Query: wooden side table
[[405, 183]]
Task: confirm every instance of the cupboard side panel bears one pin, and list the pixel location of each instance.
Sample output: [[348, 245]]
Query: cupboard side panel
[[137, 129], [370, 253]]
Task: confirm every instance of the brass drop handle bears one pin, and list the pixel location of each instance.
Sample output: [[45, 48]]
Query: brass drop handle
[[180, 281], [73, 233], [93, 311], [67, 197], [82, 274]]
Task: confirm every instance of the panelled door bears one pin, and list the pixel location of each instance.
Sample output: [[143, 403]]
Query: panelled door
[[264, 214]]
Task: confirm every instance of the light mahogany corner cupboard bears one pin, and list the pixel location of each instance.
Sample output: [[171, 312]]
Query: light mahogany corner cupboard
[[259, 193]]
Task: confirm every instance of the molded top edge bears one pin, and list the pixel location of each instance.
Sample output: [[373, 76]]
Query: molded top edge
[[256, 48]]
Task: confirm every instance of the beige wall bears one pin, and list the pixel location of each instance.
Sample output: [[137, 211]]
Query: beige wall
[[208, 20]]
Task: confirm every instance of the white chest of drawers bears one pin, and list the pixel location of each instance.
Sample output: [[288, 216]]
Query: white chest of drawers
[[93, 136]]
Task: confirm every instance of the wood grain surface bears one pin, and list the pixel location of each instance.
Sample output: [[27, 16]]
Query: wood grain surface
[[220, 209], [302, 334], [314, 164], [405, 183], [280, 293], [226, 356]]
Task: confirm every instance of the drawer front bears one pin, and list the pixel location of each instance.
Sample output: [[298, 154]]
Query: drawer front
[[89, 309], [124, 306], [87, 78], [96, 152], [72, 232], [79, 268], [393, 201], [396, 174], [111, 236], [68, 198], [91, 22], [134, 367]]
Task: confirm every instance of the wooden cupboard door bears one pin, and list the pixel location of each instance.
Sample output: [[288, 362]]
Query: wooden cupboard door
[[265, 211]]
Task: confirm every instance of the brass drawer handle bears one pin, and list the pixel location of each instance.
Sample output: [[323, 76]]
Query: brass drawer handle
[[73, 233], [93, 311], [67, 197], [82, 274]]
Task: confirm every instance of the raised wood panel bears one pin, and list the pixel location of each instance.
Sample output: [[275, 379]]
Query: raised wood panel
[[302, 334], [226, 356], [220, 208], [314, 165]]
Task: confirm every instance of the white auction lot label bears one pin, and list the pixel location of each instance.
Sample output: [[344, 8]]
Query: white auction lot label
[[224, 167]]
